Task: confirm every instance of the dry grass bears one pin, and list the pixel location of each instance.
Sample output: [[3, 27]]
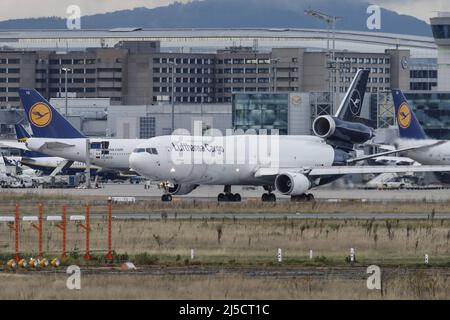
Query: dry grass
[[234, 286], [388, 242]]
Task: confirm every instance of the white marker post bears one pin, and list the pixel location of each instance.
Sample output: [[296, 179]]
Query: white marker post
[[280, 255], [192, 254], [426, 259], [310, 254], [352, 255]]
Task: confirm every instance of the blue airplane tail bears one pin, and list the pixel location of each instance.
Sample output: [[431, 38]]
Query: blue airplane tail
[[45, 121], [408, 125]]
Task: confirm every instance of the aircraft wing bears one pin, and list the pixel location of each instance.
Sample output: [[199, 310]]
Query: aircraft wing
[[13, 144], [385, 153], [55, 145], [341, 170]]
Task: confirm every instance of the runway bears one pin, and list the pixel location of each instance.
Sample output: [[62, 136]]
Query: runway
[[209, 193]]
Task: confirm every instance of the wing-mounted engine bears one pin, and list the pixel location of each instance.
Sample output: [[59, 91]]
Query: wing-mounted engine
[[182, 189], [292, 183], [340, 132]]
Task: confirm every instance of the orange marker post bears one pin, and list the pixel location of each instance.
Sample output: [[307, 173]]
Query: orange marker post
[[109, 255], [87, 227], [39, 229], [63, 227], [16, 229]]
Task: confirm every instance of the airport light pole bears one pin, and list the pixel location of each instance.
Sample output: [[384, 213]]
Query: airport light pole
[[173, 94], [66, 70], [331, 63]]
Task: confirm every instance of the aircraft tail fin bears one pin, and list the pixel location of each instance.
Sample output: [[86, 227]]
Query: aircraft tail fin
[[408, 125], [351, 105], [45, 121]]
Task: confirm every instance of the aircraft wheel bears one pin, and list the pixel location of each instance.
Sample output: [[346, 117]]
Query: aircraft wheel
[[310, 197], [236, 197], [264, 197], [166, 198], [298, 198], [221, 197], [271, 197]]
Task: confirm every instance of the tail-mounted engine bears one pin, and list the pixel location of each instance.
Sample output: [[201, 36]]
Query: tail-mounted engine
[[341, 132]]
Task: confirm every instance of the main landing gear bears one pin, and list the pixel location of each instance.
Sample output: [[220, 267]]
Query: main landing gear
[[269, 196], [227, 196], [303, 197]]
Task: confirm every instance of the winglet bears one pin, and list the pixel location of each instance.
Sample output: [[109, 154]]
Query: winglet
[[45, 121], [408, 125]]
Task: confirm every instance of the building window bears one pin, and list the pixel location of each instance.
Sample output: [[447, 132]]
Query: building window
[[146, 127]]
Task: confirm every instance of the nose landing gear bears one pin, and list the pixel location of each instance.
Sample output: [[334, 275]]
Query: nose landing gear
[[227, 196], [166, 197]]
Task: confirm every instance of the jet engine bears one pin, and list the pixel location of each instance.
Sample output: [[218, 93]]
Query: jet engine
[[292, 183], [182, 189], [328, 127]]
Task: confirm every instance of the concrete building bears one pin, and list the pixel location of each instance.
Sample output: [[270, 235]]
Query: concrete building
[[146, 121]]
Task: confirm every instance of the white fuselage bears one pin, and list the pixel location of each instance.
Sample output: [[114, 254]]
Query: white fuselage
[[435, 155], [106, 153], [230, 160]]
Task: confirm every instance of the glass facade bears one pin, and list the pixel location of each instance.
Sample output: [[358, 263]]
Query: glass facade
[[433, 112], [146, 127], [261, 111], [441, 31]]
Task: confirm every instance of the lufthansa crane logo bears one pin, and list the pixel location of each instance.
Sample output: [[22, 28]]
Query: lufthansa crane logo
[[355, 102], [404, 115], [40, 114]]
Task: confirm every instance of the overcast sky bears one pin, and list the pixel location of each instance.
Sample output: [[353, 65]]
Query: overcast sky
[[12, 9]]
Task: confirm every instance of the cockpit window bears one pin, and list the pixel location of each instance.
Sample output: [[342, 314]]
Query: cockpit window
[[151, 150], [139, 150]]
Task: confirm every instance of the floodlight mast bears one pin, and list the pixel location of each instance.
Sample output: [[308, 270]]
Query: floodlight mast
[[331, 63]]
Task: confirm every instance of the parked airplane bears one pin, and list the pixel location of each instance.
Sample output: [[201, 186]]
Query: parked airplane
[[429, 151], [55, 136], [292, 165], [48, 164]]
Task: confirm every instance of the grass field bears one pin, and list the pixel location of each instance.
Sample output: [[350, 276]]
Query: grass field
[[231, 243], [418, 285]]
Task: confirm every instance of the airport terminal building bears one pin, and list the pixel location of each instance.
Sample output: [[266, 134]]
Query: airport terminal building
[[140, 71]]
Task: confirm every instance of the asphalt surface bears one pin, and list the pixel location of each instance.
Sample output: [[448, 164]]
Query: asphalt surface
[[209, 193]]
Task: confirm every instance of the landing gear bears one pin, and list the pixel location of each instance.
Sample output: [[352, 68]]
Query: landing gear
[[269, 196], [303, 197], [166, 198], [227, 196]]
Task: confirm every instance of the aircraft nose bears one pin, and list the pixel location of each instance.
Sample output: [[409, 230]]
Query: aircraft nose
[[134, 162]]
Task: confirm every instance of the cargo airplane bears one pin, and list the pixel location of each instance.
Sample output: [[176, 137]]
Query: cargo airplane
[[291, 165]]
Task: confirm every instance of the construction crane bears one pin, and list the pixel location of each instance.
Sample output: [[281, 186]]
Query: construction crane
[[331, 63]]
